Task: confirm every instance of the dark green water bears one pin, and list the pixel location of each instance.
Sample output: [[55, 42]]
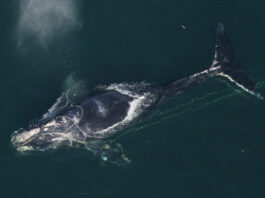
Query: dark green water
[[213, 146]]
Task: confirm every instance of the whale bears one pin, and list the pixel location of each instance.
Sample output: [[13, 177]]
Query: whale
[[91, 121]]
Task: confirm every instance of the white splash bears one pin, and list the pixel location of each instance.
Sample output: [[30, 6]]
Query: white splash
[[136, 107], [241, 86], [44, 20]]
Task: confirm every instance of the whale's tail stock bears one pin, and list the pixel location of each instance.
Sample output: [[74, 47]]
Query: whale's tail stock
[[225, 63]]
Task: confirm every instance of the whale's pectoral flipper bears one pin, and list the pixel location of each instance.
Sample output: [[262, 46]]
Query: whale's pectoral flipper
[[66, 99], [60, 103], [109, 152], [224, 59]]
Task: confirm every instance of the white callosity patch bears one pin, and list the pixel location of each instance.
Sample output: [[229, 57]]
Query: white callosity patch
[[25, 135], [53, 133], [44, 20], [52, 123]]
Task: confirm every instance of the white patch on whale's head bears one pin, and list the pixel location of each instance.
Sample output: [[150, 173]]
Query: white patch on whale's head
[[21, 137], [50, 135], [101, 109]]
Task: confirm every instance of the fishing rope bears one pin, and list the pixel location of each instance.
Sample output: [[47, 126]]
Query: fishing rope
[[158, 115], [77, 126]]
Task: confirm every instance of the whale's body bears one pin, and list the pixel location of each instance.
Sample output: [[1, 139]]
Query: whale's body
[[104, 110], [92, 121]]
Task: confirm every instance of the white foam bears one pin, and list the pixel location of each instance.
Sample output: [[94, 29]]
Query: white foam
[[128, 89], [137, 105], [241, 86], [134, 110]]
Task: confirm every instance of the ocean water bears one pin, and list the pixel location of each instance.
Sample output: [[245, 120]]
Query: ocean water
[[208, 142]]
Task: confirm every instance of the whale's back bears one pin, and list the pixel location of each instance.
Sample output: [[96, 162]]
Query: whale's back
[[104, 110]]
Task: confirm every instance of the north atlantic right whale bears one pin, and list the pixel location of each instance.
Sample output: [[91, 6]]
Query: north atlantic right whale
[[92, 121]]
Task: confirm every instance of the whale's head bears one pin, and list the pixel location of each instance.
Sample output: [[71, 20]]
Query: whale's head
[[45, 135]]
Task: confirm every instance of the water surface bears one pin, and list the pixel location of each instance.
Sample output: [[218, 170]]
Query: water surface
[[209, 142]]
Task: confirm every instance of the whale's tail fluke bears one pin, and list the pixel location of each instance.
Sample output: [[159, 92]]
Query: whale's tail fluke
[[224, 59], [223, 65]]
